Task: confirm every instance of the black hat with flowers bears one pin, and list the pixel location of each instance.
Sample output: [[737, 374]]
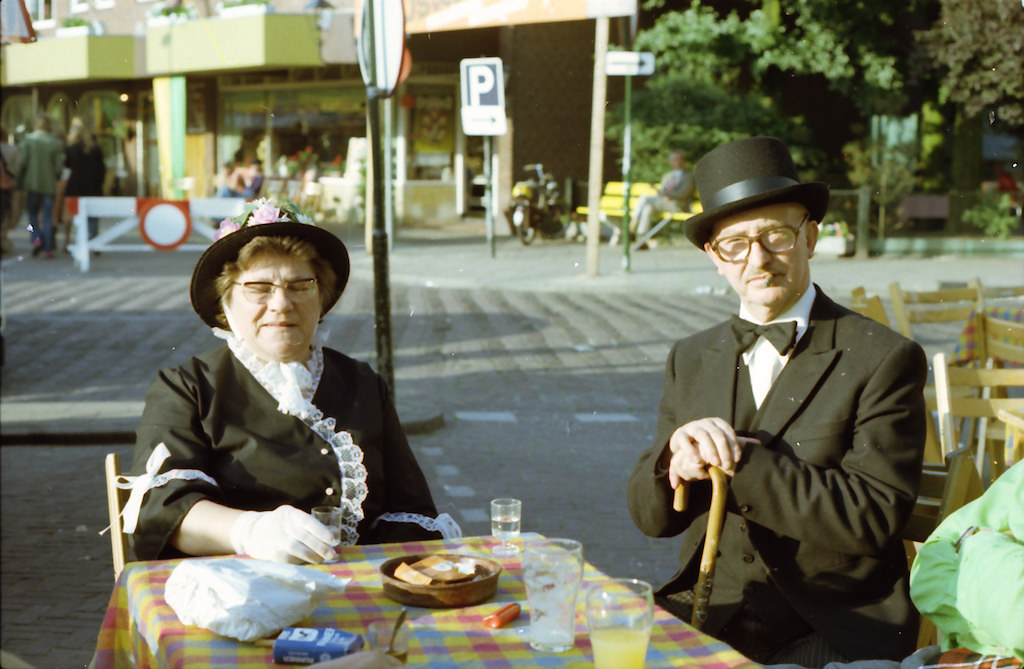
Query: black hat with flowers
[[262, 218]]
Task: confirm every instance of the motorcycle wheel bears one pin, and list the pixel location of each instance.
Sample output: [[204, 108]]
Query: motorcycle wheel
[[527, 233]]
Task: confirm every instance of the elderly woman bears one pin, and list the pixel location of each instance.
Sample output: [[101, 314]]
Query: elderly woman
[[239, 443]]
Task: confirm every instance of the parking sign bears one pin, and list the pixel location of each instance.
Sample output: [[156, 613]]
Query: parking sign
[[483, 96]]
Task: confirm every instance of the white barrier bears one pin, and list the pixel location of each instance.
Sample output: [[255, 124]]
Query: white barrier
[[126, 209]]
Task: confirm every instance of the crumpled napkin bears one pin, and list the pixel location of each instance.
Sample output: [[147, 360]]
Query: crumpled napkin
[[246, 599]]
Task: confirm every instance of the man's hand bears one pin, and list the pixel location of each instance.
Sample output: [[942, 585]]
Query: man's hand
[[700, 444]]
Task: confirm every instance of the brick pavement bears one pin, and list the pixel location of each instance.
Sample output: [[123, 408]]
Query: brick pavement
[[542, 376]]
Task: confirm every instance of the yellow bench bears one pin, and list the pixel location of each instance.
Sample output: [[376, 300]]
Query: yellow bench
[[613, 206]]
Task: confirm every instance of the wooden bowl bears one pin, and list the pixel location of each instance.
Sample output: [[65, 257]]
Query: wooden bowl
[[444, 595]]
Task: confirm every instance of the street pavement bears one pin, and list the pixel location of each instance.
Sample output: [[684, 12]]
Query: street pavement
[[516, 374]]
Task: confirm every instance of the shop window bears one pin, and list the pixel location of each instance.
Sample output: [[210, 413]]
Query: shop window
[[41, 12], [297, 133], [17, 116], [433, 133]]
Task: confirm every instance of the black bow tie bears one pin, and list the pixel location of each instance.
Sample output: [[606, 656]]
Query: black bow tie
[[781, 335]]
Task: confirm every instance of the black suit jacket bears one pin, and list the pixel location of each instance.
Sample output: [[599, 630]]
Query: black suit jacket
[[815, 512]]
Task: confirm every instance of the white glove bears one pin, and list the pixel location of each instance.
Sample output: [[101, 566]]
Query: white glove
[[285, 534]]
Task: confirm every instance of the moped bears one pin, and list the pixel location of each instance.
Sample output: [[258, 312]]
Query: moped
[[536, 206]]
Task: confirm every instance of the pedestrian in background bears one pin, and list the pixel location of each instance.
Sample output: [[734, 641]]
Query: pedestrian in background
[[87, 170], [42, 156], [8, 188]]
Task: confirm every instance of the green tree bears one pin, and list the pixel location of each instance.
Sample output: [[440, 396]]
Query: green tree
[[806, 75], [979, 47]]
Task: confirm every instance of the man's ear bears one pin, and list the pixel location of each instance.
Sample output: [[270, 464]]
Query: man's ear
[[812, 237], [718, 262]]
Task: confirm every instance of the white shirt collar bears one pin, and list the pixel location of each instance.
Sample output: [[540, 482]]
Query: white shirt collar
[[799, 312]]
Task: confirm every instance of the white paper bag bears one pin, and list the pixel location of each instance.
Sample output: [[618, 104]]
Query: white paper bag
[[246, 599]]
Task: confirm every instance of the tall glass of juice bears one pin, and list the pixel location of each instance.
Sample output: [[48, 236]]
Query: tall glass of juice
[[620, 613]]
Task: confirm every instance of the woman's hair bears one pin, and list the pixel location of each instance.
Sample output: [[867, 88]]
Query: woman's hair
[[80, 133], [291, 247]]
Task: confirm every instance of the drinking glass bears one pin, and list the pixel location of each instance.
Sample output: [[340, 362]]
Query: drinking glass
[[620, 613], [378, 637], [506, 517], [553, 570], [331, 516]]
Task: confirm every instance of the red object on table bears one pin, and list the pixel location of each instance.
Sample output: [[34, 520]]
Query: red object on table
[[141, 630]]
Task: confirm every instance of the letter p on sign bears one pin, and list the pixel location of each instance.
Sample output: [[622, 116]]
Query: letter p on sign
[[483, 96]]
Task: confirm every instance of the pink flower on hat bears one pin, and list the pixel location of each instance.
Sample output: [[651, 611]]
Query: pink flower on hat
[[227, 226], [266, 213]]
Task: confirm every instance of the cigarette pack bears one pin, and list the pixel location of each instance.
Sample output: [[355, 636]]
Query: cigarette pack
[[305, 645]]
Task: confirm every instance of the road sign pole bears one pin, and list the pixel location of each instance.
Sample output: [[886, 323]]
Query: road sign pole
[[488, 194], [627, 163]]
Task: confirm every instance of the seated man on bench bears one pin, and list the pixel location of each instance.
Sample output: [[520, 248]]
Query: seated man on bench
[[675, 195]]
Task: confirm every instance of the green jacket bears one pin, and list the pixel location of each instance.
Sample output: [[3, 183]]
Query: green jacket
[[975, 596], [42, 159]]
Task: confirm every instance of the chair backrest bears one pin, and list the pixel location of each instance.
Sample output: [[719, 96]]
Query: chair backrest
[[944, 489], [116, 499], [933, 306], [1014, 421], [1001, 339], [868, 306], [973, 396]]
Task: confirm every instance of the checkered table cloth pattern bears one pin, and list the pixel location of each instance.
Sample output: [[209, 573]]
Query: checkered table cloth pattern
[[141, 630]]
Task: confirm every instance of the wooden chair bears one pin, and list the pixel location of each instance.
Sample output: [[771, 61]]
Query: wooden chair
[[116, 499], [1014, 421], [1000, 341], [868, 306], [944, 489], [966, 396], [933, 306]]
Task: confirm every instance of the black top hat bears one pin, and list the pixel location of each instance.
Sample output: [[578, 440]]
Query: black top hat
[[282, 220], [745, 174]]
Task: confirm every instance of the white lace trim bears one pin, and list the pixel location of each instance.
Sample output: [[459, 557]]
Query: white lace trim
[[140, 485], [444, 523], [293, 385]]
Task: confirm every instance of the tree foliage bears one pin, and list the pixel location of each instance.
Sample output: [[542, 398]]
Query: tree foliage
[[728, 74], [979, 44]]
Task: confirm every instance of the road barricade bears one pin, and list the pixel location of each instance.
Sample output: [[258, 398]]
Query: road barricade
[[163, 225]]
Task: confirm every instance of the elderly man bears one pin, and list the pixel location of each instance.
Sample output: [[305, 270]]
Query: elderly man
[[811, 566]]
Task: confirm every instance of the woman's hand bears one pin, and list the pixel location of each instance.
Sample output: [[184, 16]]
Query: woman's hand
[[285, 534]]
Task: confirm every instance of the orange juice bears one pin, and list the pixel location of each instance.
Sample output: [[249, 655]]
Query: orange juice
[[619, 647]]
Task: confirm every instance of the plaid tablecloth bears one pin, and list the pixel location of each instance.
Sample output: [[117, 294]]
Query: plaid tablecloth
[[141, 630], [967, 343]]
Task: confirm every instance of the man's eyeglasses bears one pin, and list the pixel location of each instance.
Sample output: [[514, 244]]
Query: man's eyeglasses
[[259, 292], [772, 240]]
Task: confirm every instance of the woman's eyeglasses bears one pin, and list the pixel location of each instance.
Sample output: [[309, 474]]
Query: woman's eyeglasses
[[260, 292], [772, 240]]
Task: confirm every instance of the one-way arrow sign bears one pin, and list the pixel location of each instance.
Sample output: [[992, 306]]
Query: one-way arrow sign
[[629, 63]]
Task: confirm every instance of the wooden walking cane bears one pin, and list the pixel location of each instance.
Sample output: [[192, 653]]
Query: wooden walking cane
[[716, 516]]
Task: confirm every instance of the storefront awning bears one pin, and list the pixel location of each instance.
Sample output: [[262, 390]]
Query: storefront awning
[[223, 44], [69, 59]]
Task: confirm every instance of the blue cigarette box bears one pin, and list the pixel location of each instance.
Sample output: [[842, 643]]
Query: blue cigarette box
[[306, 645]]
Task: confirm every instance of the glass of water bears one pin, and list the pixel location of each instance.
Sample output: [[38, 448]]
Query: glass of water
[[552, 570], [506, 517]]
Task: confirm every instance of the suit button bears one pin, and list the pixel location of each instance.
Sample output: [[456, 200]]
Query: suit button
[[745, 508], [743, 527], [748, 558], [329, 492], [323, 451]]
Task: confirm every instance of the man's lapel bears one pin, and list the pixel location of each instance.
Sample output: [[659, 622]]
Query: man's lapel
[[715, 385]]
